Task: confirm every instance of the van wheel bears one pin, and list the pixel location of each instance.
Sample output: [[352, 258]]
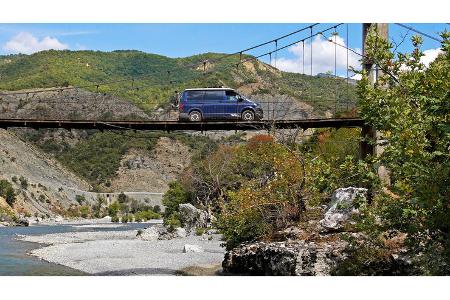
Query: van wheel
[[195, 116], [248, 115]]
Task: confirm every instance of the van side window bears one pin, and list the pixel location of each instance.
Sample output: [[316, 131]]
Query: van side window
[[214, 95], [194, 95], [231, 95]]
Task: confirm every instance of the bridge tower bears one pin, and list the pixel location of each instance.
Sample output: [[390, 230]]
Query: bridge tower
[[371, 143]]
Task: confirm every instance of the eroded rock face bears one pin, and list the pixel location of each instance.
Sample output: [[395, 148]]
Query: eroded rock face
[[297, 258], [192, 217], [342, 207]]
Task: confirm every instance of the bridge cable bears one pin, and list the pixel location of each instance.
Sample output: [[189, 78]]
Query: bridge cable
[[348, 90], [335, 72], [419, 32]]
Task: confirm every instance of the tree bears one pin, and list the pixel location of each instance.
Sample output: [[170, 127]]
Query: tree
[[410, 107], [7, 191]]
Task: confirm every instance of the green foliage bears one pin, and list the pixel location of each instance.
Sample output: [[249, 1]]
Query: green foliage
[[409, 106], [146, 215], [173, 221], [113, 209], [175, 196], [122, 198], [115, 219], [200, 231], [85, 211], [7, 191], [80, 199], [23, 182]]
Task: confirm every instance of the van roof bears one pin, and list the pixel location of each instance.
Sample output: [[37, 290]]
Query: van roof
[[210, 89]]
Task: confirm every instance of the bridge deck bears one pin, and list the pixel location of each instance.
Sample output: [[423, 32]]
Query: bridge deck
[[175, 125]]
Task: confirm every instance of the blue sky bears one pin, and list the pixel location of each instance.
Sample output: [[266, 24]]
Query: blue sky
[[179, 40]]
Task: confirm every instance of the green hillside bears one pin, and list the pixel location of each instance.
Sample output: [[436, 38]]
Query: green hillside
[[158, 77]]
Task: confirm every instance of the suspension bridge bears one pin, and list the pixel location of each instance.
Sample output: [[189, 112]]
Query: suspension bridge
[[277, 114]]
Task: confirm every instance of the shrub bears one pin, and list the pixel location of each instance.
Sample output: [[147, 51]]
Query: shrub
[[173, 221], [125, 219], [85, 211], [176, 195], [115, 219], [122, 198], [23, 182], [7, 192], [147, 215], [113, 209], [80, 199], [199, 231], [157, 209]]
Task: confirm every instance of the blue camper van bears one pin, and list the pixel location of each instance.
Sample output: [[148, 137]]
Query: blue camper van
[[203, 104]]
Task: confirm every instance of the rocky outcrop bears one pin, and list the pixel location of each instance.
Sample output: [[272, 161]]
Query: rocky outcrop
[[160, 232], [342, 207], [299, 258], [22, 222], [192, 217]]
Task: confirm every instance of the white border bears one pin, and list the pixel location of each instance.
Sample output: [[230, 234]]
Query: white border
[[234, 11], [227, 288]]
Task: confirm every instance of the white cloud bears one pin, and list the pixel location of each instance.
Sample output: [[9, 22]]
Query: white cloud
[[429, 56], [322, 57], [26, 43]]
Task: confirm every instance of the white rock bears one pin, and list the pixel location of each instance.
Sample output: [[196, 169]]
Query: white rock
[[59, 219], [192, 217], [342, 207], [107, 219], [150, 234], [180, 232], [192, 249]]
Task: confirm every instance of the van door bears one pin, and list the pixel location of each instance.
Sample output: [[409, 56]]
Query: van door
[[213, 104], [232, 105]]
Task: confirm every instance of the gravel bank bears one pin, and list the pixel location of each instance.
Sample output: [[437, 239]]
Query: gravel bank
[[121, 253]]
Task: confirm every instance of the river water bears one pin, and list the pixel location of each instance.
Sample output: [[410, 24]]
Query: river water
[[14, 260]]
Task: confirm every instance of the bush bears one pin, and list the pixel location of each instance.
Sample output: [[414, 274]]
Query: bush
[[23, 182], [115, 219], [80, 199], [200, 231], [122, 198], [85, 211], [176, 195], [173, 221], [7, 192], [113, 209], [147, 215], [157, 209]]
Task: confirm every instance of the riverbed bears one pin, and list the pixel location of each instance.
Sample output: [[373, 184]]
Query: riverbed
[[99, 249]]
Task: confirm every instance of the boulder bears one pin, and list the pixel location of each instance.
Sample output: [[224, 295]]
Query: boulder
[[160, 232], [152, 233], [192, 217], [180, 232], [22, 222], [342, 207], [192, 249], [299, 258]]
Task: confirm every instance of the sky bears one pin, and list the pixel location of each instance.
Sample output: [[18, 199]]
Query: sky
[[180, 40]]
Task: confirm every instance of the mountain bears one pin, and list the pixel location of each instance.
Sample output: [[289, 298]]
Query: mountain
[[157, 77]]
